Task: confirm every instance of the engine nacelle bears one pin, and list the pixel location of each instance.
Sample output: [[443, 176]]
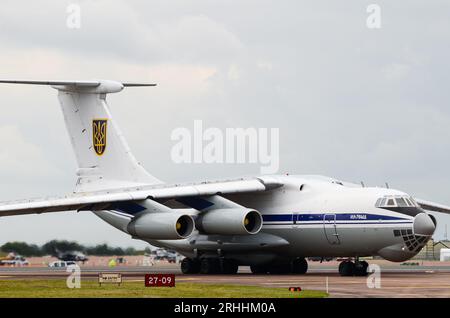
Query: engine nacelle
[[234, 221], [162, 226]]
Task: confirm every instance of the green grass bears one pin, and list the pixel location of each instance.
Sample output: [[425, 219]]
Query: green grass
[[91, 289]]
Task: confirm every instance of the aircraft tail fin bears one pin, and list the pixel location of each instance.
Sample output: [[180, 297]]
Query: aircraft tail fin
[[103, 156]]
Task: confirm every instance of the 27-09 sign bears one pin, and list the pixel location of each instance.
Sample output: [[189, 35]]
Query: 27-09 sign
[[159, 280]]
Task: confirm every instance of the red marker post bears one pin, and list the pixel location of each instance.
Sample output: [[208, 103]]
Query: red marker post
[[295, 289]]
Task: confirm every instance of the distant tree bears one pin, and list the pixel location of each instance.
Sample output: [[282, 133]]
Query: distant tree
[[130, 251], [22, 248], [51, 247], [117, 251], [106, 250]]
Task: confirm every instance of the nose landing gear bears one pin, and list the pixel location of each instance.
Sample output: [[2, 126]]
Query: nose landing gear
[[349, 268]]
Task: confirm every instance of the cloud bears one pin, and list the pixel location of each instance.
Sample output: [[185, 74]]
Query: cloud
[[19, 158], [116, 29], [395, 72]]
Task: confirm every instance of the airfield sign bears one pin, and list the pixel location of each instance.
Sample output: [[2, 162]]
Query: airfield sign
[[110, 278]]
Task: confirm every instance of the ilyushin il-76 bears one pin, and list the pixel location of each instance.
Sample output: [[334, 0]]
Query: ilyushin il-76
[[271, 223]]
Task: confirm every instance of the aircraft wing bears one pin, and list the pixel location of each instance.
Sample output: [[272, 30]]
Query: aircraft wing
[[431, 206], [102, 200]]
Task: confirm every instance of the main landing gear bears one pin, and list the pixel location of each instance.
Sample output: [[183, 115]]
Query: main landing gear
[[349, 268], [209, 266], [296, 266]]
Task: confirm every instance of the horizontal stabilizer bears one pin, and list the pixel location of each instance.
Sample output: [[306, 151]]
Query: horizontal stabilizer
[[137, 85], [91, 86], [63, 83]]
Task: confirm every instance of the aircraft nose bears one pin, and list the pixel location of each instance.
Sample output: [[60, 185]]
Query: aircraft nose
[[424, 224]]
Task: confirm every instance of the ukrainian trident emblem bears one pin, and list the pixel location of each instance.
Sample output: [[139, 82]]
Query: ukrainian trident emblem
[[99, 135]]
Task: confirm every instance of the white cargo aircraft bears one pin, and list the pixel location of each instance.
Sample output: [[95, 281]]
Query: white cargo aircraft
[[271, 223]]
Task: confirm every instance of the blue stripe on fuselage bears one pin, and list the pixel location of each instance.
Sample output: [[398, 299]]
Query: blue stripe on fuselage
[[321, 216]]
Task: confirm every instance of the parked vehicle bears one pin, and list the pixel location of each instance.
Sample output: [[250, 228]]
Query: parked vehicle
[[13, 260], [61, 264]]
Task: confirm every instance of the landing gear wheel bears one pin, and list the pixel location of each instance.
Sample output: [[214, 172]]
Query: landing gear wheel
[[299, 266], [229, 266], [190, 266], [258, 269], [347, 268], [210, 266], [361, 268]]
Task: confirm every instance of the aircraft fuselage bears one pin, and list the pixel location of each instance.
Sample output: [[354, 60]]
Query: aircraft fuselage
[[318, 217]]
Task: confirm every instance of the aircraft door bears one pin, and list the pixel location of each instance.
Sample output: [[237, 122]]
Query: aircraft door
[[295, 220], [329, 225]]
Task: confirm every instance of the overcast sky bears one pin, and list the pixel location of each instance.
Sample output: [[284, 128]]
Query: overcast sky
[[351, 102]]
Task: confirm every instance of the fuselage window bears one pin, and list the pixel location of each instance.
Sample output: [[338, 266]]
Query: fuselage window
[[390, 202]]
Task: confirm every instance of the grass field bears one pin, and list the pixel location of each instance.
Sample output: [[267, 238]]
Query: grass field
[[91, 289]]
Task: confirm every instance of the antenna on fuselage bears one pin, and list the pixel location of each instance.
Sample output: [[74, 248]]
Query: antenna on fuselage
[[362, 184], [387, 185]]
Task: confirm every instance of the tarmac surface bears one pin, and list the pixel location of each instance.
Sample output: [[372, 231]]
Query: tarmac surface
[[423, 280]]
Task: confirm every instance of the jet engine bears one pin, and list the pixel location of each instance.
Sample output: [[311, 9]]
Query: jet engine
[[234, 221], [161, 226], [424, 224]]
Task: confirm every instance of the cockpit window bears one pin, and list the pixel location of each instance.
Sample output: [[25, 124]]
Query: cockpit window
[[395, 201], [414, 203], [401, 202]]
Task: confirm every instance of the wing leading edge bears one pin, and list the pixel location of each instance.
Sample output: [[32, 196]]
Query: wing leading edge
[[101, 200], [431, 206]]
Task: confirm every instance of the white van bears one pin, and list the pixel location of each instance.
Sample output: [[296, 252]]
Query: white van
[[60, 264]]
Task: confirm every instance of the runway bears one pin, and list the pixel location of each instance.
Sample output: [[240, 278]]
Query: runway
[[395, 280]]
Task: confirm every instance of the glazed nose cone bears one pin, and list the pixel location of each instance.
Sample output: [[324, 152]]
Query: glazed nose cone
[[424, 224]]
